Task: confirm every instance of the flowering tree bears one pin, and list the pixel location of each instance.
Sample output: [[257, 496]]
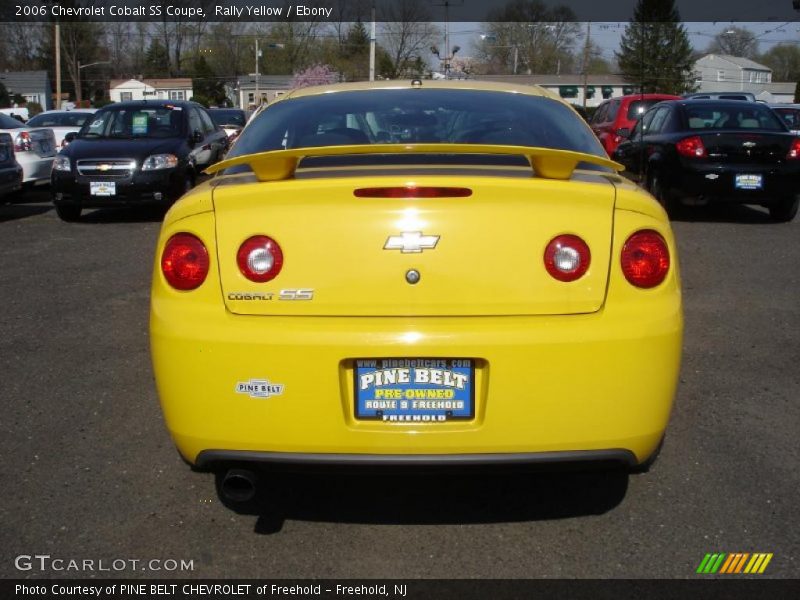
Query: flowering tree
[[316, 75]]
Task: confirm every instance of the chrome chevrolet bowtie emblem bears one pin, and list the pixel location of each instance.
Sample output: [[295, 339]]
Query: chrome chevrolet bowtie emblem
[[411, 241]]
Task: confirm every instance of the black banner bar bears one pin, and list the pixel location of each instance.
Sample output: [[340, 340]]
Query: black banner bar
[[333, 11], [729, 588]]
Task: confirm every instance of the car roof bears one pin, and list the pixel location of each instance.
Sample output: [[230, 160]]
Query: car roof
[[425, 84], [151, 104], [67, 112]]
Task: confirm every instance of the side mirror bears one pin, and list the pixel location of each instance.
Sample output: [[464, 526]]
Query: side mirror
[[196, 137], [624, 132], [70, 137]]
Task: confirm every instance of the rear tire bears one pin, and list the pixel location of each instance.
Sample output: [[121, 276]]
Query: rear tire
[[68, 212], [784, 210], [660, 194]]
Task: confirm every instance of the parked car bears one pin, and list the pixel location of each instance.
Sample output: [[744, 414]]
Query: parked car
[[440, 272], [20, 113], [34, 149], [232, 120], [747, 96], [615, 118], [789, 114], [135, 153], [62, 122], [10, 171], [704, 151]]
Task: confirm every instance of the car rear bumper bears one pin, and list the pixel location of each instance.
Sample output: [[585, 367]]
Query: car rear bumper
[[208, 459], [716, 184], [598, 385], [35, 169]]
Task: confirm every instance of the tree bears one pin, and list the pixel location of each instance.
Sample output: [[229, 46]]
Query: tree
[[156, 62], [784, 60], [526, 36], [316, 75], [408, 35], [735, 41], [5, 101], [207, 89], [797, 93], [655, 51]]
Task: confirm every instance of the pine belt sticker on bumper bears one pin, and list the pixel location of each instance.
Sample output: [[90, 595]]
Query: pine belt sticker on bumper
[[414, 389], [259, 388]]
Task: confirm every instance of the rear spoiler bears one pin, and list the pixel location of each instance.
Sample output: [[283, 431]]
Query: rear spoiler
[[277, 165]]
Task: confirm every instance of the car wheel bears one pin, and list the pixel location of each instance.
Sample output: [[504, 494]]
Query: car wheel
[[68, 212], [784, 210], [661, 195]]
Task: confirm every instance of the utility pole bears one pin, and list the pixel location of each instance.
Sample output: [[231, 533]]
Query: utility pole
[[257, 98], [586, 49], [58, 67], [372, 46]]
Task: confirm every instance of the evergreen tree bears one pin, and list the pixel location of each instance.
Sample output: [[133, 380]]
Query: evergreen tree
[[655, 51], [208, 89]]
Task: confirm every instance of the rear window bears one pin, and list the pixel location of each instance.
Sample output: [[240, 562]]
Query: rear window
[[754, 116], [638, 107], [7, 122], [228, 117], [66, 119], [417, 115]]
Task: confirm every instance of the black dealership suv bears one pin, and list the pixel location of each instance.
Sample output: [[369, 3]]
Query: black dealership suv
[[134, 153]]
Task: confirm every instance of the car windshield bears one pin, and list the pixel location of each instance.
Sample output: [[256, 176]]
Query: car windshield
[[751, 116], [228, 117], [7, 122], [64, 119], [401, 116], [135, 122], [638, 107]]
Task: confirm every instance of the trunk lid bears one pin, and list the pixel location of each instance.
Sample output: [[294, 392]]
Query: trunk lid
[[747, 148], [347, 251]]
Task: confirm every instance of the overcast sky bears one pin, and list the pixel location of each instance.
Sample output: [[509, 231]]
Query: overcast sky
[[607, 35]]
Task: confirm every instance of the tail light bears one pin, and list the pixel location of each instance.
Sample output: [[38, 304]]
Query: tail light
[[260, 258], [692, 147], [23, 143], [184, 262], [567, 257], [794, 150], [411, 191], [645, 259]]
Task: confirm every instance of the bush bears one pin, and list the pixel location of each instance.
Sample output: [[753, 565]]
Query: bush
[[101, 102], [34, 108]]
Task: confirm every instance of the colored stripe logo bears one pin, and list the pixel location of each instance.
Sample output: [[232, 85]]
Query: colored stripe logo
[[735, 563]]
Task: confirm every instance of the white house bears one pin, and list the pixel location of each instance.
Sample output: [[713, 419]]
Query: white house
[[725, 73], [570, 87], [150, 89]]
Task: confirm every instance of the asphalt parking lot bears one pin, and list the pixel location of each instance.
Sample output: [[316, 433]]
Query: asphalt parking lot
[[89, 472]]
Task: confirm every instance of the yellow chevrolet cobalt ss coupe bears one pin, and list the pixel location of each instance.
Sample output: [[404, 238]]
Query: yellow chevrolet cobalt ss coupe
[[415, 273]]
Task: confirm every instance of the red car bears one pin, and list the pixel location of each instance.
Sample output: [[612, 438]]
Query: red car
[[614, 119]]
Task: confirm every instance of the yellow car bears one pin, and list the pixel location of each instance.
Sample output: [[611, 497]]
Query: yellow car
[[415, 273]]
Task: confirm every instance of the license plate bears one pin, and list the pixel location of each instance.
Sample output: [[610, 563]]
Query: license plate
[[414, 390], [102, 188], [749, 182]]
